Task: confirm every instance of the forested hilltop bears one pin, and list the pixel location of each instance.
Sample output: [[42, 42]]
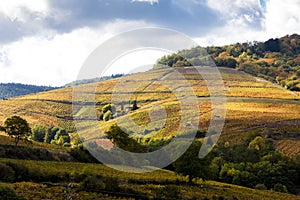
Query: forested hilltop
[[8, 90], [277, 60]]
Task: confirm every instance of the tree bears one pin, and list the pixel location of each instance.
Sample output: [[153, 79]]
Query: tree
[[190, 165], [39, 133], [17, 128], [123, 140], [61, 137], [107, 116], [109, 107], [134, 105]]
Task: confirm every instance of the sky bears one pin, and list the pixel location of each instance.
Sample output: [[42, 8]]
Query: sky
[[45, 42]]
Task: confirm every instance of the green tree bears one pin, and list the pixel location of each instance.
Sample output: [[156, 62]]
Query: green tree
[[190, 165], [107, 116], [39, 133], [51, 133], [61, 137], [60, 133], [122, 139], [109, 107], [17, 128], [280, 188], [76, 140]]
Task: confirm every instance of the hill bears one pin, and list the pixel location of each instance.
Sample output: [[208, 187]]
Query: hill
[[93, 80], [255, 107], [277, 60], [8, 90]]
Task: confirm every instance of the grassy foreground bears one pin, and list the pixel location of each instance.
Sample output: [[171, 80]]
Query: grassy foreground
[[160, 184]]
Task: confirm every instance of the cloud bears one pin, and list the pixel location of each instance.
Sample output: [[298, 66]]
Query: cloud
[[242, 21], [20, 18], [46, 41], [55, 59], [239, 12], [252, 20], [147, 1], [282, 17]]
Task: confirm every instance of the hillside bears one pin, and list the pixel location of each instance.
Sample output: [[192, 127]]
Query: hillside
[[8, 90], [253, 105], [277, 60]]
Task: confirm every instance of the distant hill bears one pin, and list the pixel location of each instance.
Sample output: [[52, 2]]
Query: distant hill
[[93, 80], [8, 90], [277, 60]]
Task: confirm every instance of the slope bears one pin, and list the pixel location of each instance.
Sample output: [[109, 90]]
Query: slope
[[253, 105]]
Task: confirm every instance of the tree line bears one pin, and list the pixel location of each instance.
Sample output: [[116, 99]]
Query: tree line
[[8, 90], [277, 60], [253, 163]]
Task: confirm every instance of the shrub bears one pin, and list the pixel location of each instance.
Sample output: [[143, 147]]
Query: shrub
[[167, 192], [97, 183], [260, 187], [7, 174], [7, 193], [278, 187], [92, 183], [111, 184], [21, 171]]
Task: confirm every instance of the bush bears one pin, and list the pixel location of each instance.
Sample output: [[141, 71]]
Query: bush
[[7, 174], [167, 192], [260, 187], [83, 156], [92, 183], [98, 183], [21, 171], [7, 193], [111, 184], [278, 187]]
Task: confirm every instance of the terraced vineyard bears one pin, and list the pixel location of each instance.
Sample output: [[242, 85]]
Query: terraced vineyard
[[253, 105]]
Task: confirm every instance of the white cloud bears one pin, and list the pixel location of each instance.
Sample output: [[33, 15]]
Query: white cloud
[[282, 17], [55, 59], [239, 12], [46, 57], [231, 8], [279, 19], [16, 9], [147, 1]]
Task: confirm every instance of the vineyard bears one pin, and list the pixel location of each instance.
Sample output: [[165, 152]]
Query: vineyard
[[253, 106]]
